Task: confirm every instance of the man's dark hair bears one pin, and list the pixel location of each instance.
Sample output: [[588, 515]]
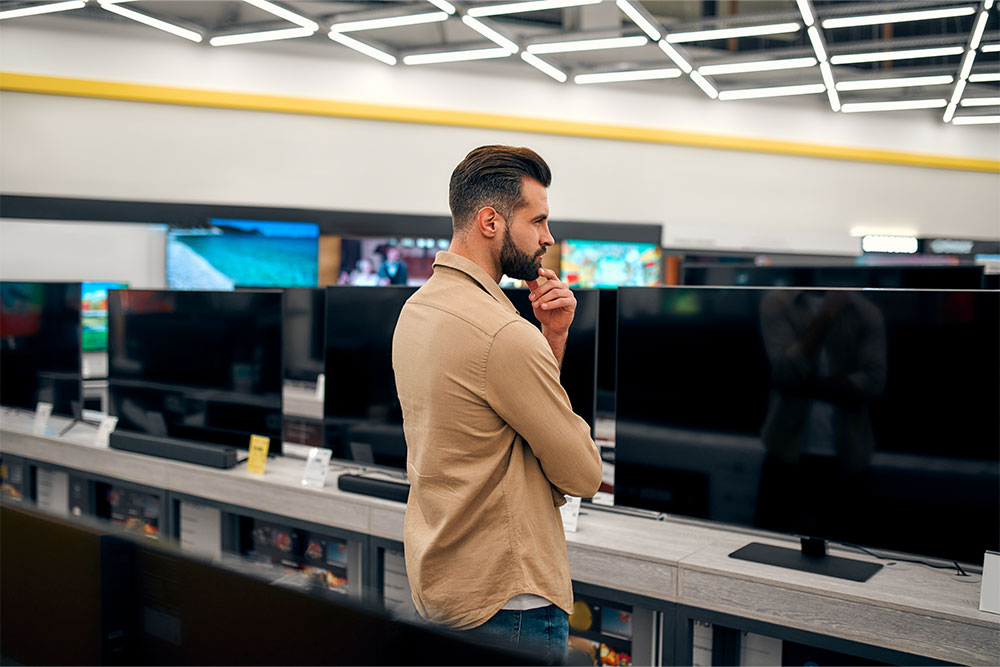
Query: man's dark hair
[[491, 176]]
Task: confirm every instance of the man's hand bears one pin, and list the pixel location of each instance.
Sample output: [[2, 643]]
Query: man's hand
[[553, 303]]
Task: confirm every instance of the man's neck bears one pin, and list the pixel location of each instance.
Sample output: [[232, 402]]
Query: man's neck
[[482, 257]]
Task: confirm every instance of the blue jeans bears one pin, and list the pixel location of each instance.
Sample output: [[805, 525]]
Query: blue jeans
[[542, 632]]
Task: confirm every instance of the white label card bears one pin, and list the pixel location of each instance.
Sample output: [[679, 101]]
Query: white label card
[[104, 431], [317, 468], [201, 529], [320, 386], [42, 413], [989, 596], [570, 514], [53, 491]]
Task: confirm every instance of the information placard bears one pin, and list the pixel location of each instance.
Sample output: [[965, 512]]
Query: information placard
[[570, 514], [104, 431], [53, 491], [259, 445], [317, 467], [42, 413], [201, 529]]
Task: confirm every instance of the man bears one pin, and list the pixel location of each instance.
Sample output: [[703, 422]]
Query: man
[[393, 270], [492, 441]]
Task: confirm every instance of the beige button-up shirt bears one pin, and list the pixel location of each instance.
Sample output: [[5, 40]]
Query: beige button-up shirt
[[492, 446]]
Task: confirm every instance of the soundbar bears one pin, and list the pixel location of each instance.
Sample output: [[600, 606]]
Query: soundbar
[[371, 486], [214, 456]]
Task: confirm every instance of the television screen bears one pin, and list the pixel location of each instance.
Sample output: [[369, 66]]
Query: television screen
[[865, 417], [304, 342], [95, 314], [202, 366], [223, 254], [610, 263], [366, 262], [361, 413], [40, 346], [917, 277], [579, 368]]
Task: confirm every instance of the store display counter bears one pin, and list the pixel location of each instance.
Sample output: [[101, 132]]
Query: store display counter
[[905, 613]]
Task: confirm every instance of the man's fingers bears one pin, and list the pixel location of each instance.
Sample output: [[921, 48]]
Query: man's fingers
[[562, 302], [532, 284]]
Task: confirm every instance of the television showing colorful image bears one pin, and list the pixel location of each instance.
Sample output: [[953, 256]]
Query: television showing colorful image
[[610, 263], [223, 254], [367, 262], [95, 315]]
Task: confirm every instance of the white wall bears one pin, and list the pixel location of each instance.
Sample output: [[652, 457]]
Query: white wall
[[63, 146], [131, 253]]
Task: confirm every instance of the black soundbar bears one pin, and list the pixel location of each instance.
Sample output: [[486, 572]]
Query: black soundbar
[[371, 486], [214, 456]]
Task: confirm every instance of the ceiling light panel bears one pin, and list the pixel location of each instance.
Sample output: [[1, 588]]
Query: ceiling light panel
[[705, 86], [631, 75], [899, 17], [986, 77], [490, 34], [639, 19], [727, 33], [879, 84], [531, 6], [264, 36], [806, 10], [976, 120], [283, 13], [444, 6], [589, 45], [831, 88], [50, 8], [152, 22], [981, 102], [761, 66], [908, 54], [675, 56], [990, 48], [389, 22], [362, 47], [778, 91], [906, 105], [455, 56], [543, 66]]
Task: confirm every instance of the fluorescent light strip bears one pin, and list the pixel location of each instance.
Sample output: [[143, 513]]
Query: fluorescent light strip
[[849, 59], [761, 66], [902, 244], [640, 20], [879, 84], [705, 86], [42, 9], [778, 91], [949, 113], [674, 55], [283, 13], [588, 45], [988, 5], [959, 91], [976, 120], [985, 78], [860, 107], [900, 17], [455, 56], [361, 47], [817, 43], [533, 6], [264, 36], [726, 33], [831, 89], [543, 66], [633, 75], [990, 48], [981, 102], [490, 34], [977, 33], [151, 22], [444, 6], [389, 22], [970, 58], [807, 15]]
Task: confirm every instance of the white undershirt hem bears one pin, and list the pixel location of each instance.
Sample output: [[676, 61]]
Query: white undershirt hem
[[525, 601]]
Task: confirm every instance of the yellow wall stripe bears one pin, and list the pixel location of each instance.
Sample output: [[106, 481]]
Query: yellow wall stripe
[[29, 83]]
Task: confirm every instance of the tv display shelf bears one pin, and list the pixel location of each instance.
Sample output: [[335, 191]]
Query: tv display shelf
[[910, 608]]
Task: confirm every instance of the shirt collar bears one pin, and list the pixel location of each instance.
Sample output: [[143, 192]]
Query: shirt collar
[[465, 265]]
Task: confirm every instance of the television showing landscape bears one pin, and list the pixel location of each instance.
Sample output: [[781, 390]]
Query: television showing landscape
[[95, 314], [223, 254], [610, 264]]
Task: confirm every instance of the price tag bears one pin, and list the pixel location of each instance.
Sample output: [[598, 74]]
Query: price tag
[[42, 413], [320, 386], [570, 514], [317, 467], [259, 445], [104, 431], [989, 595]]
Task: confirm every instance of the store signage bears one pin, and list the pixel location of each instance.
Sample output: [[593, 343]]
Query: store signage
[[317, 467], [42, 413], [259, 445]]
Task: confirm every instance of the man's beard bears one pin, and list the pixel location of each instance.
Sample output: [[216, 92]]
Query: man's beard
[[516, 264]]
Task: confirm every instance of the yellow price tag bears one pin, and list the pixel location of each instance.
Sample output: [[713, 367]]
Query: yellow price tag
[[258, 453]]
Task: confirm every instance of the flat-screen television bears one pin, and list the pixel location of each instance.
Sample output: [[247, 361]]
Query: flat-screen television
[[579, 367], [222, 254], [362, 416], [40, 346], [368, 262], [304, 342], [915, 277], [867, 417], [95, 314], [610, 263], [198, 366]]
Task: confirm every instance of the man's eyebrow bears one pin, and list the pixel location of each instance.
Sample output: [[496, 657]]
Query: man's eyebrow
[[539, 218]]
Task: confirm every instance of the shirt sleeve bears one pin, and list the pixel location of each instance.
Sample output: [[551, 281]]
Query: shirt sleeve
[[522, 387]]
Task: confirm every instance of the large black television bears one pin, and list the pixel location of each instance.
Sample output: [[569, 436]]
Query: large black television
[[867, 417], [196, 366], [40, 349], [579, 367], [304, 342], [362, 418], [891, 277]]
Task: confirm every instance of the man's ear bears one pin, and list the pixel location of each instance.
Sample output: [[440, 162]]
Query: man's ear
[[487, 222]]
